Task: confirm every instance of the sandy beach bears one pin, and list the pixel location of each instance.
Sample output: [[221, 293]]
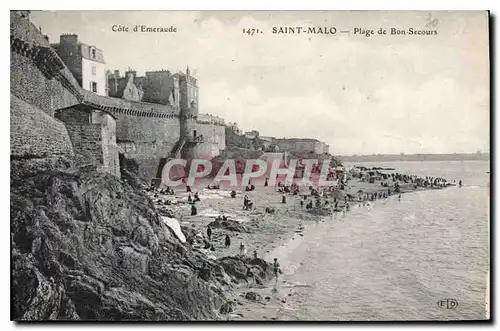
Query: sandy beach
[[269, 234]]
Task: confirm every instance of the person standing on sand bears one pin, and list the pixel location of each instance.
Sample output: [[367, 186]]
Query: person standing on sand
[[209, 233], [399, 198], [243, 250], [276, 269], [283, 199], [227, 241]]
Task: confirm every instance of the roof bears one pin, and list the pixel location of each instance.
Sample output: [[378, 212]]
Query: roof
[[122, 85], [86, 51]]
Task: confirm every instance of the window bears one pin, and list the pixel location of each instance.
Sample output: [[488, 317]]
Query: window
[[93, 53], [94, 70], [93, 87]]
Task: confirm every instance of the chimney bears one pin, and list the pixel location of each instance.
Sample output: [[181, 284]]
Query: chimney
[[68, 39], [132, 73]]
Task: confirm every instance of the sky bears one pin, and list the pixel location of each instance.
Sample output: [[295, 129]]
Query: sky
[[381, 94]]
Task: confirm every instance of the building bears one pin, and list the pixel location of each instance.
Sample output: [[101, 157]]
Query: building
[[126, 87], [161, 87], [300, 146], [87, 126], [86, 63], [251, 134], [234, 127]]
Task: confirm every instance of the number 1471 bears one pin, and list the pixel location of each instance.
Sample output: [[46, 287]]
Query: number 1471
[[251, 32]]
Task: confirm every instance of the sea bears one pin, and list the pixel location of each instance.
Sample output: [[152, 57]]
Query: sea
[[424, 258]]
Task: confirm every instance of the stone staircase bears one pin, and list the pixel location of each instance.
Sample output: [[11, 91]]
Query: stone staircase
[[176, 153]]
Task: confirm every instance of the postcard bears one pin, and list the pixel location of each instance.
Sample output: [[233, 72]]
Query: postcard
[[250, 165]]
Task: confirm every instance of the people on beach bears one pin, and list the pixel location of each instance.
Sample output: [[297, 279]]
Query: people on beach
[[249, 275], [266, 183], [460, 183], [255, 254], [249, 206], [209, 232], [213, 186], [196, 197], [301, 203], [194, 211], [249, 188], [189, 198], [270, 210], [399, 198], [227, 241], [283, 199], [276, 269], [233, 194], [188, 188], [243, 250]]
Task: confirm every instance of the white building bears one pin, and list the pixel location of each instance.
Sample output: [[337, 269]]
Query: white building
[[86, 63]]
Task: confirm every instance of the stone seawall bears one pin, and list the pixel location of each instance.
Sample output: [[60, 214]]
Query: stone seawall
[[28, 83], [214, 138], [153, 140], [35, 133]]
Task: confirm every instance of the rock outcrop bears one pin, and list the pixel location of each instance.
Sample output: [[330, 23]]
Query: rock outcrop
[[86, 245], [230, 225]]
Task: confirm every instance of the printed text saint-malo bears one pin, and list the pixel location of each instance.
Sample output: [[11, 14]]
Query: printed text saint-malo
[[300, 29]]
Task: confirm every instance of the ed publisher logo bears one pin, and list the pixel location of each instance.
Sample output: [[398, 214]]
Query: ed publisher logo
[[448, 303]]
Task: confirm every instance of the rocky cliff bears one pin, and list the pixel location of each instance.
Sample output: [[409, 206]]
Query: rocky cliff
[[86, 245]]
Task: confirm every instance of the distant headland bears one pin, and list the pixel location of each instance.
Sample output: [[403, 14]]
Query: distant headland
[[416, 157]]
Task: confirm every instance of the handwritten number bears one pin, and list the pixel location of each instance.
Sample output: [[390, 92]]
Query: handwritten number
[[430, 21]]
